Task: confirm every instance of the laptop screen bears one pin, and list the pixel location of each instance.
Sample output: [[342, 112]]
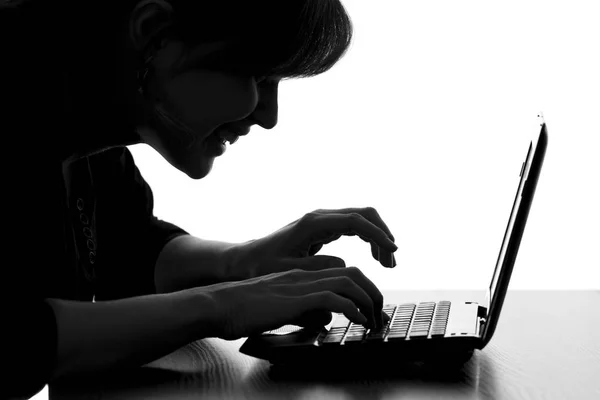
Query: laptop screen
[[514, 230], [511, 221]]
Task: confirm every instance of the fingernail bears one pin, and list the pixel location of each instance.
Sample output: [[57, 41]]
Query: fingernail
[[337, 263], [387, 261]]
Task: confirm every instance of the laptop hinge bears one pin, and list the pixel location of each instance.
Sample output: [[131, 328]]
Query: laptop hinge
[[482, 312], [481, 320]]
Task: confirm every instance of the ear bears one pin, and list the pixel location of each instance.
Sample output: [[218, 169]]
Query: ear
[[147, 19]]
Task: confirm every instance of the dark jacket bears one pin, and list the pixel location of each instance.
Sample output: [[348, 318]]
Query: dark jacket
[[71, 231]]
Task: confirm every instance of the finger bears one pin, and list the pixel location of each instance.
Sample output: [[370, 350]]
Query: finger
[[343, 286], [331, 302], [313, 263], [298, 276], [386, 318], [368, 286], [321, 228], [369, 213], [360, 279], [384, 257], [315, 318]]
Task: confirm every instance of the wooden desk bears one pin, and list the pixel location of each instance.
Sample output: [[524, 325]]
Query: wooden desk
[[546, 346]]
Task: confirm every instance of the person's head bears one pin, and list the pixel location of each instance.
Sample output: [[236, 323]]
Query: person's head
[[215, 67]]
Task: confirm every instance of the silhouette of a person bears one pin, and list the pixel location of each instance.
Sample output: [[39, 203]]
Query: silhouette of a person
[[98, 282]]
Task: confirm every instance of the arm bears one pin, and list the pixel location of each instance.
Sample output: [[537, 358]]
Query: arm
[[102, 336], [187, 261]]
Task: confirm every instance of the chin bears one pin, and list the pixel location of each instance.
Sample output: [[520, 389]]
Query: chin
[[196, 175], [194, 165], [196, 168]]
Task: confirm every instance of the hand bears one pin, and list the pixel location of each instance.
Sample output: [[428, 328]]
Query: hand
[[295, 246], [296, 297]]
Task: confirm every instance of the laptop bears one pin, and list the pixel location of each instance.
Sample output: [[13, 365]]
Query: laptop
[[437, 331]]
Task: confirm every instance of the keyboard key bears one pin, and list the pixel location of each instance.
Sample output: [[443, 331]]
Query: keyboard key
[[354, 339], [440, 321], [376, 335], [396, 336], [331, 339], [356, 333], [356, 327], [337, 331], [407, 305]]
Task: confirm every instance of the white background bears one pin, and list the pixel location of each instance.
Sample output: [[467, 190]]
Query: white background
[[427, 119]]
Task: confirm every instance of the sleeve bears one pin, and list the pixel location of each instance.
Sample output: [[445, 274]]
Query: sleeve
[[130, 236]]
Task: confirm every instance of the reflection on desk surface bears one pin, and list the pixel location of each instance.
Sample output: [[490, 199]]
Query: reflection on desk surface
[[531, 356]]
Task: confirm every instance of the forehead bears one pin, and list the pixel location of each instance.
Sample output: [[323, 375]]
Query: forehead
[[223, 56]]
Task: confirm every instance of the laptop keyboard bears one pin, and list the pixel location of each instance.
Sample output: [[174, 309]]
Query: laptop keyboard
[[407, 321]]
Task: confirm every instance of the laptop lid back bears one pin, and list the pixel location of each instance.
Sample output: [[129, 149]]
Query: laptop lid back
[[514, 231]]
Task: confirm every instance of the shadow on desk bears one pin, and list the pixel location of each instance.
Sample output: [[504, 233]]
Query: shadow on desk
[[214, 368]]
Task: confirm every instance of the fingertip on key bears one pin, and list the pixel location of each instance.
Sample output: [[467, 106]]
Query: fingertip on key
[[385, 317]]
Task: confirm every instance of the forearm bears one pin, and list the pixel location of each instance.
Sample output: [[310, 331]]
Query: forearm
[[108, 335], [188, 261]]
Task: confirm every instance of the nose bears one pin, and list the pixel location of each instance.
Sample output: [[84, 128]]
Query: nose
[[265, 113]]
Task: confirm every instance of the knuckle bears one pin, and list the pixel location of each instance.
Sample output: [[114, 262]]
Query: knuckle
[[370, 211], [349, 305], [298, 272], [354, 271], [308, 218], [294, 273], [345, 281], [328, 297], [356, 217]]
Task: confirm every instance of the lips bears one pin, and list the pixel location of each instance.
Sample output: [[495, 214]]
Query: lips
[[231, 135], [228, 136]]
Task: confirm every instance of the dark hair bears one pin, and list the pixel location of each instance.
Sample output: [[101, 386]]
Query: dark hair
[[283, 38]]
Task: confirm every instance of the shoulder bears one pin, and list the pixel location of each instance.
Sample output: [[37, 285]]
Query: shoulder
[[115, 168], [120, 155]]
